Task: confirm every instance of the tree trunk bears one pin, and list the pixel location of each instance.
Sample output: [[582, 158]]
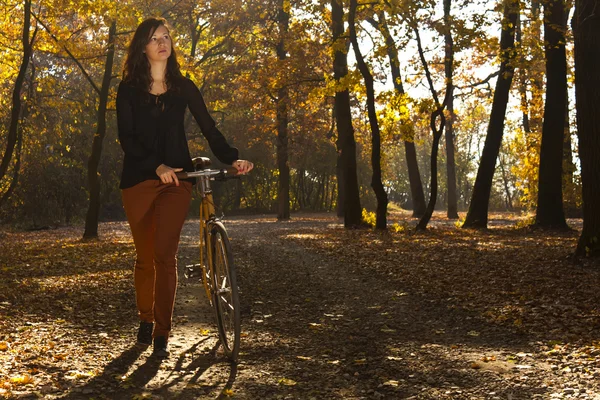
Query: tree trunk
[[449, 70], [283, 193], [477, 215], [16, 170], [91, 219], [414, 177], [586, 30], [348, 191], [15, 114], [340, 179], [550, 213], [437, 135], [376, 183], [24, 114], [436, 128]]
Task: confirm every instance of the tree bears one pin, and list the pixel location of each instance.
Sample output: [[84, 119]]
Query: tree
[[437, 128], [586, 30], [449, 71], [283, 194], [414, 177], [91, 220], [348, 182], [376, 181], [15, 116], [477, 215], [549, 213]]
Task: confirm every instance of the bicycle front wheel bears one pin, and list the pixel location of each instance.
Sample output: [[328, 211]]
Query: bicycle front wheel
[[225, 291]]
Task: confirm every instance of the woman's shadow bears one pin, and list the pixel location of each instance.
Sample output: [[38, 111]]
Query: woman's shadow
[[114, 383]]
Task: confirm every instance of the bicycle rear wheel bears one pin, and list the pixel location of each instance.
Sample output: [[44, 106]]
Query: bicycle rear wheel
[[225, 291]]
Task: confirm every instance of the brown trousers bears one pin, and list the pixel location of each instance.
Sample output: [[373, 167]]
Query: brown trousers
[[156, 213]]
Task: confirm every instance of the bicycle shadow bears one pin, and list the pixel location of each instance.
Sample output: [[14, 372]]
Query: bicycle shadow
[[190, 375]]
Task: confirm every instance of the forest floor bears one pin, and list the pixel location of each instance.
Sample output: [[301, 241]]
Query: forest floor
[[328, 313]]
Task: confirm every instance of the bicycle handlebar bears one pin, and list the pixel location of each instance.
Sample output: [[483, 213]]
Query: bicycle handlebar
[[217, 174]]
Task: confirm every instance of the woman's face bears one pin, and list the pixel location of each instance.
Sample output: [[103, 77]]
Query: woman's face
[[159, 45]]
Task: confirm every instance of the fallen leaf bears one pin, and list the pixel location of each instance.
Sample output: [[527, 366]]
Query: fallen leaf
[[21, 379], [287, 382]]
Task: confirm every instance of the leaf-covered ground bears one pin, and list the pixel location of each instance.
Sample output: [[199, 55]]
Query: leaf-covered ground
[[327, 314]]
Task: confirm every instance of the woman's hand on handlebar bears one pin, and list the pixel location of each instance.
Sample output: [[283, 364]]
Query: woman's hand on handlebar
[[168, 174], [242, 166]]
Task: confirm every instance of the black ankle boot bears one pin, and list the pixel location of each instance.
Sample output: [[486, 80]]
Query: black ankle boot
[[144, 335], [160, 347]]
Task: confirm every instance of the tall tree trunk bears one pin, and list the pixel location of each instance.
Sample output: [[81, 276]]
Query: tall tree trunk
[[449, 70], [477, 215], [436, 128], [376, 182], [550, 213], [586, 30], [19, 145], [283, 193], [348, 191], [16, 95], [91, 219], [414, 177]]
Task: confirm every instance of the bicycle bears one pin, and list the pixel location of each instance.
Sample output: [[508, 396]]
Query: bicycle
[[216, 259]]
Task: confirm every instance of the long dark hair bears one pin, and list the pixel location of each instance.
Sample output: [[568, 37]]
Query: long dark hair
[[137, 68]]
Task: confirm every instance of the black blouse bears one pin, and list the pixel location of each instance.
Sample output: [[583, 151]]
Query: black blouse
[[151, 130]]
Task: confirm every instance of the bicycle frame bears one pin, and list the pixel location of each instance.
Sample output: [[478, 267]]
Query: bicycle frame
[[218, 276], [207, 214]]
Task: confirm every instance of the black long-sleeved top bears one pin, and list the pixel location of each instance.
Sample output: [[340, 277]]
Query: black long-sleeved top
[[151, 130]]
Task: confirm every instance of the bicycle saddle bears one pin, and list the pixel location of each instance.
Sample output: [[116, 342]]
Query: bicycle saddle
[[200, 163]]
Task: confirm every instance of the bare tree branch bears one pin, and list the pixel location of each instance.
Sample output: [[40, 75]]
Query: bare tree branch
[[83, 71]]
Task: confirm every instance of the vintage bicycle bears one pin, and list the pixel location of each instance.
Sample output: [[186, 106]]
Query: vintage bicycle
[[216, 265]]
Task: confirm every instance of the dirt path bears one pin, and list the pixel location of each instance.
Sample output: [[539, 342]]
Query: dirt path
[[332, 314], [335, 330]]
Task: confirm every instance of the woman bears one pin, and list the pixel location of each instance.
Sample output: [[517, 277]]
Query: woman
[[151, 103]]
